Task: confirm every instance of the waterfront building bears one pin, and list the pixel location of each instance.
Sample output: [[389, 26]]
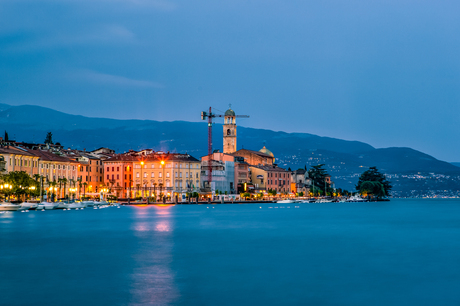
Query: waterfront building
[[154, 174], [229, 132], [266, 177], [118, 174], [18, 159], [58, 172], [90, 171], [262, 157], [228, 172], [300, 182]]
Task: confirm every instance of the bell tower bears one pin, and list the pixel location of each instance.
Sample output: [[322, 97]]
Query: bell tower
[[229, 131]]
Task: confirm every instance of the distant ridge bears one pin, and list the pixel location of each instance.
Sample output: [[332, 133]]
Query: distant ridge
[[344, 159]]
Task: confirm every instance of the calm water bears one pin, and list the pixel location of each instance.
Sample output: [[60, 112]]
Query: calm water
[[405, 252]]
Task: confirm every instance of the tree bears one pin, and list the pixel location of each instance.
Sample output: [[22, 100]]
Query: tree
[[318, 175], [6, 136], [49, 138], [374, 183], [21, 184]]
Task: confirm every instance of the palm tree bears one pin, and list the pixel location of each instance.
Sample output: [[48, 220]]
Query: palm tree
[[72, 182], [84, 188], [52, 184], [64, 181], [79, 186], [60, 186]]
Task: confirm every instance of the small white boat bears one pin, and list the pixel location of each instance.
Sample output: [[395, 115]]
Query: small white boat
[[40, 206], [49, 205], [74, 205], [355, 199], [323, 201], [6, 206], [28, 206], [288, 201], [88, 203]]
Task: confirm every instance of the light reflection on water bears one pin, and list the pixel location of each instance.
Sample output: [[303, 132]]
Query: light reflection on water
[[153, 282]]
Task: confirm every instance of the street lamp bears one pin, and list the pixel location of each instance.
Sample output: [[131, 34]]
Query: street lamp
[[142, 179], [164, 179]]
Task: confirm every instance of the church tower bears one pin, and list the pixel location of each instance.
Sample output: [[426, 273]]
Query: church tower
[[229, 132]]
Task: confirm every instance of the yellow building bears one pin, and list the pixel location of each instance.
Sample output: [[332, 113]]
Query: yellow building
[[18, 159], [59, 171], [170, 174]]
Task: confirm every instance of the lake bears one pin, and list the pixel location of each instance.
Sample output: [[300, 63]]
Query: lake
[[403, 252]]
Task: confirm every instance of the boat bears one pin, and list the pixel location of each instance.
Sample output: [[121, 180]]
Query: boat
[[356, 199], [323, 201], [49, 205], [74, 205], [7, 206], [40, 206], [288, 201], [88, 203], [28, 206]]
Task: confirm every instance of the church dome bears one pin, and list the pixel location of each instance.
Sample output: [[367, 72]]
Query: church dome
[[266, 151], [230, 112]]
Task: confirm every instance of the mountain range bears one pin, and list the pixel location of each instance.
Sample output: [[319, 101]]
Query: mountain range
[[412, 172]]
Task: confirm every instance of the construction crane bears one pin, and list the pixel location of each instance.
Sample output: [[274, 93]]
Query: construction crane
[[210, 115]]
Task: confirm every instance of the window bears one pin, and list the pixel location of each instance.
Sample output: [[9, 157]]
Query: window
[[186, 174], [153, 174], [137, 174], [126, 177], [176, 174], [145, 174], [113, 177], [160, 174], [118, 168], [108, 177], [167, 174], [153, 166], [197, 175], [180, 174]]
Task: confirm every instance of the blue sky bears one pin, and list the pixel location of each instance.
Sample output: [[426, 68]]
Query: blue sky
[[383, 72]]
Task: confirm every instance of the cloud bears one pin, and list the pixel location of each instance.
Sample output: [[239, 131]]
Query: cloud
[[110, 79]]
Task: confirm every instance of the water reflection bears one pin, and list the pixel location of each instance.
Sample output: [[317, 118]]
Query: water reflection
[[153, 282]]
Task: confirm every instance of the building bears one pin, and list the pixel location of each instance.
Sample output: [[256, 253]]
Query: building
[[300, 182], [262, 157], [228, 172], [266, 177], [229, 132], [152, 174], [90, 171], [118, 174], [57, 171], [18, 159]]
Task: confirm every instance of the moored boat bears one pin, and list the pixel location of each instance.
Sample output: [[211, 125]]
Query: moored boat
[[49, 205], [288, 201], [28, 206], [7, 206]]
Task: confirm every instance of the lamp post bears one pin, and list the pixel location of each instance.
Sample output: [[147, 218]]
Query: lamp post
[[142, 180], [164, 179]]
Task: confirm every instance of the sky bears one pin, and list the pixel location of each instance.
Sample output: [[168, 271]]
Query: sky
[[382, 72]]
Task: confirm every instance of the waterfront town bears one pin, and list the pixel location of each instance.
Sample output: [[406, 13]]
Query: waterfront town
[[154, 175]]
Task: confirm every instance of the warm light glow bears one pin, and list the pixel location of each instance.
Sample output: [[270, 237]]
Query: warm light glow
[[162, 162], [142, 163]]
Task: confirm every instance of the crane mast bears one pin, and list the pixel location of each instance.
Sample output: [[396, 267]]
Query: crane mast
[[210, 115]]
